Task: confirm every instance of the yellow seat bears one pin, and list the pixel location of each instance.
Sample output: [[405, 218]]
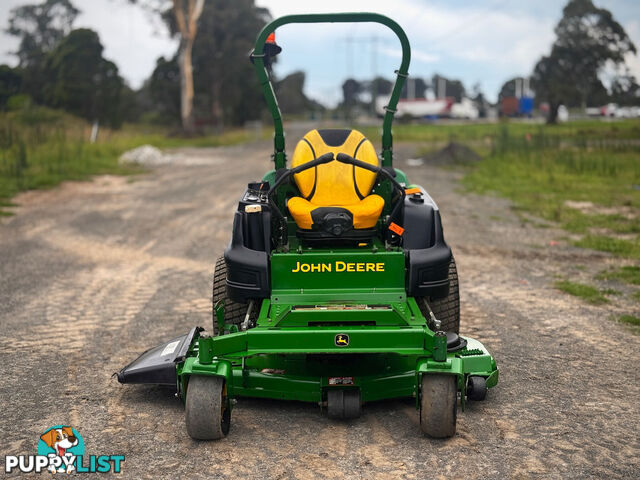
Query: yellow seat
[[335, 189]]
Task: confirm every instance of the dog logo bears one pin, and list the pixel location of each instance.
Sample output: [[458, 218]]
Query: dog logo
[[64, 442], [342, 340]]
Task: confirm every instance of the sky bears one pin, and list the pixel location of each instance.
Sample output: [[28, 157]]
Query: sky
[[481, 42]]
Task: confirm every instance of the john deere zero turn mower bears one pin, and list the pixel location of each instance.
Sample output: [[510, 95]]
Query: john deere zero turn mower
[[337, 287]]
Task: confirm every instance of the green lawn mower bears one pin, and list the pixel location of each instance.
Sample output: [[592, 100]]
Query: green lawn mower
[[337, 286]]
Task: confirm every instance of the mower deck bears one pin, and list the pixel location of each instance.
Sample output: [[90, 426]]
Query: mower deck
[[295, 364], [380, 350]]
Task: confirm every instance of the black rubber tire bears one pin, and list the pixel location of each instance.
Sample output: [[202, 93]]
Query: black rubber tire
[[476, 388], [446, 309], [207, 412], [234, 312], [343, 404], [438, 405]]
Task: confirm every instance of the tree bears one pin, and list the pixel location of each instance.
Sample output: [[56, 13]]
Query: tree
[[452, 88], [40, 28], [291, 97], [182, 19], [351, 90], [588, 38], [625, 90], [382, 86], [226, 88], [480, 100], [10, 83], [226, 85], [514, 87], [81, 81], [187, 25], [414, 86], [164, 90]]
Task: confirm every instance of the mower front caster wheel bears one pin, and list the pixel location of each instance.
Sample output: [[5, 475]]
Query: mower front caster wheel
[[207, 412], [438, 405], [476, 389], [343, 403]]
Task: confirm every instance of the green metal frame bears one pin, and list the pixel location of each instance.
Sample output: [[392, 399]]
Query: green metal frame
[[285, 355], [388, 361], [279, 154]]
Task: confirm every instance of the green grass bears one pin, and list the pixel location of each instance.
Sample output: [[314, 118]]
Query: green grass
[[542, 174], [636, 296], [39, 148], [588, 293], [616, 246], [628, 274], [610, 291], [631, 320], [541, 167], [582, 130]]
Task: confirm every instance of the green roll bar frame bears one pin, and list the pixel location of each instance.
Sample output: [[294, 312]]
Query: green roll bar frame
[[279, 155]]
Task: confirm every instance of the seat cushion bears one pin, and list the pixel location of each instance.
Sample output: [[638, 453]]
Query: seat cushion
[[365, 212], [334, 183]]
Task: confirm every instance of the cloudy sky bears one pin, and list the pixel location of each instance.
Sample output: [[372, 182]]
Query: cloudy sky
[[477, 41]]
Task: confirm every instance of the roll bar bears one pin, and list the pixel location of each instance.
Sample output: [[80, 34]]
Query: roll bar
[[279, 155]]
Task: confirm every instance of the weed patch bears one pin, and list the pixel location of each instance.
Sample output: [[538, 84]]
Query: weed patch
[[588, 293], [628, 274]]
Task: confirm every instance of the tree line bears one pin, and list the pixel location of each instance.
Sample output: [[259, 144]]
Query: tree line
[[590, 44], [208, 81]]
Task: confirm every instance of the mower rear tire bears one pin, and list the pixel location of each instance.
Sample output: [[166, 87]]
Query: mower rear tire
[[234, 312], [446, 309], [207, 412], [438, 405]]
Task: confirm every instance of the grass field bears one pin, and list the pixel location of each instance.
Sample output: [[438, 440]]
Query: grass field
[[40, 148], [629, 274], [581, 131], [592, 190], [583, 175]]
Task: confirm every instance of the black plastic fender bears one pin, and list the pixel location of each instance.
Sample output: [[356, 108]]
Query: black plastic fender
[[428, 255]]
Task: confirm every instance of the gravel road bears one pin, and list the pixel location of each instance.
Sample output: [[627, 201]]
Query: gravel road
[[93, 273]]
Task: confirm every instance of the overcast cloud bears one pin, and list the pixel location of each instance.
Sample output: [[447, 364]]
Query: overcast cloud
[[483, 42]]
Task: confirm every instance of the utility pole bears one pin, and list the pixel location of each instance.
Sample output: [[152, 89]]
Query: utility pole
[[349, 40], [373, 47], [411, 88], [374, 73], [442, 88]]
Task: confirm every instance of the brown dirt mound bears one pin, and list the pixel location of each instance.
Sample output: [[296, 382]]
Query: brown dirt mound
[[453, 154]]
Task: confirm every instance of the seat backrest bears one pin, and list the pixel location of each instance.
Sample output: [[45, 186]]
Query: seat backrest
[[334, 183]]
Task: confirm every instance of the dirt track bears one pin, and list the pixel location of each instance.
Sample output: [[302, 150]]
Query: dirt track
[[93, 273]]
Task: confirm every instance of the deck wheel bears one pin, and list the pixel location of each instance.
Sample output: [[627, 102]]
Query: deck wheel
[[208, 412], [476, 388], [438, 405], [344, 403]]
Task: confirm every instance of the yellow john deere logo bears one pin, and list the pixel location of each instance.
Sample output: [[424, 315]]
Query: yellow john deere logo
[[342, 340], [339, 267]]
